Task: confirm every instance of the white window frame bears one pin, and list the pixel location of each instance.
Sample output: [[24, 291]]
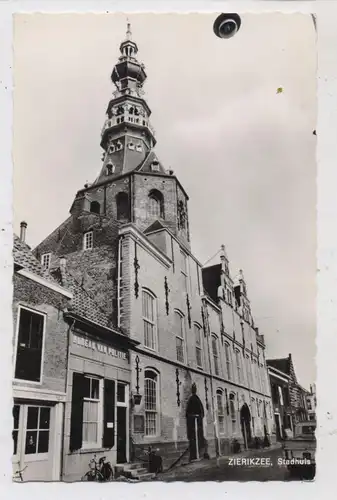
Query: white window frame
[[180, 337], [157, 410], [45, 260], [216, 356], [198, 345], [20, 307], [98, 444], [228, 361], [88, 235], [148, 321], [22, 430], [221, 415]]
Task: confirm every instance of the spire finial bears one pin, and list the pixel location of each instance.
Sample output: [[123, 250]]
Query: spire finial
[[128, 30]]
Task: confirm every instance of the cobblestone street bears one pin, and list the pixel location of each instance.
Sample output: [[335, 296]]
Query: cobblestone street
[[223, 470]]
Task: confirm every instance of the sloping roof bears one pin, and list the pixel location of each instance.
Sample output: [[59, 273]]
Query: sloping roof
[[281, 364], [23, 256], [145, 166], [83, 302], [155, 226], [211, 280]]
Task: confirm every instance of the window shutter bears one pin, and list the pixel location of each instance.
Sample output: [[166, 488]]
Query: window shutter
[[76, 422], [109, 414]]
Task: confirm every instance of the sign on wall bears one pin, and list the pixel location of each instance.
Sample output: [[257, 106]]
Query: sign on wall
[[96, 346]]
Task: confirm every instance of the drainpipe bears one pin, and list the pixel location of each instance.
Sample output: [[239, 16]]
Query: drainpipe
[[211, 380], [64, 404]]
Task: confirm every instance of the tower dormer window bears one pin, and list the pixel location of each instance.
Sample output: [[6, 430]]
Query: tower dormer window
[[110, 169], [119, 146], [155, 166], [131, 145], [111, 148], [88, 240], [139, 148]]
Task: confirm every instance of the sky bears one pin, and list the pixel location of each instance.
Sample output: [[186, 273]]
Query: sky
[[245, 153]]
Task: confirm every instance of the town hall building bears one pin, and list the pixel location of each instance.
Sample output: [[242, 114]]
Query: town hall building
[[192, 376]]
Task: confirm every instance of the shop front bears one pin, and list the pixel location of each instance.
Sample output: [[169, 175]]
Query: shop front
[[98, 400]]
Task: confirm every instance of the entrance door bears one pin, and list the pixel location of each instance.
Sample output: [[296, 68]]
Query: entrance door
[[122, 423], [31, 436]]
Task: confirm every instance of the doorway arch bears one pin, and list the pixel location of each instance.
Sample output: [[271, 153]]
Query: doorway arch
[[194, 422], [245, 419]]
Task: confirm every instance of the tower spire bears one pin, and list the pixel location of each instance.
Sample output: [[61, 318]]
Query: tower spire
[[128, 30]]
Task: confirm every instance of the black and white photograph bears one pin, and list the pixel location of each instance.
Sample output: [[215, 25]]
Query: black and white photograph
[[164, 283]]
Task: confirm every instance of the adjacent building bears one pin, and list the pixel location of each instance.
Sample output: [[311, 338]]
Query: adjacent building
[[312, 402], [194, 374], [279, 384], [297, 406], [40, 345]]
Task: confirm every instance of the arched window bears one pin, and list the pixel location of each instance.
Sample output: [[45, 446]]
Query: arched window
[[179, 326], [221, 413], [149, 319], [198, 345], [238, 365], [215, 352], [232, 411], [228, 361], [151, 402], [122, 201], [95, 207], [156, 204]]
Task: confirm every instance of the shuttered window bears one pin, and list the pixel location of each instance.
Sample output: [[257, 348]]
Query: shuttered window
[[92, 420]]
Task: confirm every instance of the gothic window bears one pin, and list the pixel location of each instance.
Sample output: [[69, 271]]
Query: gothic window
[[198, 345], [122, 201], [238, 365], [221, 413], [151, 402], [215, 352], [95, 207], [179, 325], [156, 204], [232, 411], [228, 361], [149, 320]]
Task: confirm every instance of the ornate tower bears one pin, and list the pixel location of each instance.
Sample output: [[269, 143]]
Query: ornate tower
[[127, 136]]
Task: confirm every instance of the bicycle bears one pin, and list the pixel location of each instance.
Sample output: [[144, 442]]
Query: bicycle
[[17, 476], [100, 471]]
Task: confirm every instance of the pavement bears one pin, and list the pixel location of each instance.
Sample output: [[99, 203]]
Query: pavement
[[251, 465]]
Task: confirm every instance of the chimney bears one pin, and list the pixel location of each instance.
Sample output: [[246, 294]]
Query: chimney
[[63, 264], [23, 227]]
